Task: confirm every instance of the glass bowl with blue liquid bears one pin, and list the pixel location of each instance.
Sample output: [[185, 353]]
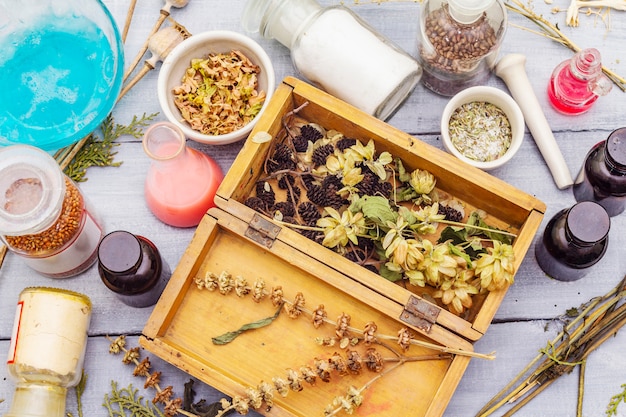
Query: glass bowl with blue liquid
[[61, 69]]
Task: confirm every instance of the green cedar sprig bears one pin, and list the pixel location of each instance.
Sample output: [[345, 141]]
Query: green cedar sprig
[[126, 399], [611, 409], [98, 151]]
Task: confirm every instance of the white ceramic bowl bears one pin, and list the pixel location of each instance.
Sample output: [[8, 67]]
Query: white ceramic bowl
[[498, 98], [199, 46]]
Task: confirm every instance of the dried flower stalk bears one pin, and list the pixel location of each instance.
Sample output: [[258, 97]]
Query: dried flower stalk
[[346, 337], [171, 406], [599, 319], [224, 283]]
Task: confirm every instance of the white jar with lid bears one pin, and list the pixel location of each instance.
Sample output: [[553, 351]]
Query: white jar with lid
[[336, 50], [44, 217], [458, 42]]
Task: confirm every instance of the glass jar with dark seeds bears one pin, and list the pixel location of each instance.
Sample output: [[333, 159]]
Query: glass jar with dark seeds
[[458, 42]]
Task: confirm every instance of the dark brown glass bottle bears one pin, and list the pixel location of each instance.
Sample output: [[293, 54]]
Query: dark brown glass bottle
[[603, 176], [132, 268], [573, 240]]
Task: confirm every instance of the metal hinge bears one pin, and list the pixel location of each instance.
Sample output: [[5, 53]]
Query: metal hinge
[[262, 231], [420, 314]]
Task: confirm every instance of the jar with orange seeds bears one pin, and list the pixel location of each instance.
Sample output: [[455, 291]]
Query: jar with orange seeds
[[44, 217]]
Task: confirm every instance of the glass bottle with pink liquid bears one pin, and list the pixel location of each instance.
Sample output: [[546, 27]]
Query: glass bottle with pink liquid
[[181, 183], [577, 83]]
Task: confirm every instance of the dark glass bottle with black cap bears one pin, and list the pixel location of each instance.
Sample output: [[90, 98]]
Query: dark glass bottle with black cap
[[131, 267], [574, 240], [603, 176]]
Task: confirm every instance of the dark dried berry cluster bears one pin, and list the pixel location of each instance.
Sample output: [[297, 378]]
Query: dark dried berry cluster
[[450, 213], [321, 153], [372, 185], [283, 158], [307, 134], [326, 194]]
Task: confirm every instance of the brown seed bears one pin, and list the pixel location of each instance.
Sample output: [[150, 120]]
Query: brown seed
[[59, 233]]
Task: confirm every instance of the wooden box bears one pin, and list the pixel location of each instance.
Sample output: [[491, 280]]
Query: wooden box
[[236, 240]]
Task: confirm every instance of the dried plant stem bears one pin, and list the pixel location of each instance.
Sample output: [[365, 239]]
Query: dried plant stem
[[147, 67], [552, 32], [3, 253], [601, 318], [156, 385], [162, 16], [415, 342], [581, 388], [129, 18]]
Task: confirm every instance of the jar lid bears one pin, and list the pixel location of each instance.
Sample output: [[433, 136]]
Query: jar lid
[[588, 222], [32, 190], [468, 11], [278, 19]]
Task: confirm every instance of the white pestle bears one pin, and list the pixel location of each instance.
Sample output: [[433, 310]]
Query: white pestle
[[511, 69]]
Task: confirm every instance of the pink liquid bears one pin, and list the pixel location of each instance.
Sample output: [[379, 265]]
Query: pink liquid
[[180, 193], [568, 94]]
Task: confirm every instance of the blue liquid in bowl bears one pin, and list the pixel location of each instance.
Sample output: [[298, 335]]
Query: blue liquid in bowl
[[58, 83]]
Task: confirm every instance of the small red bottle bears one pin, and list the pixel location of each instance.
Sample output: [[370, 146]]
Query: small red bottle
[[577, 83]]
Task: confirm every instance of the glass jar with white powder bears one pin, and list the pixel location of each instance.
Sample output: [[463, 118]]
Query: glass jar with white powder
[[336, 50]]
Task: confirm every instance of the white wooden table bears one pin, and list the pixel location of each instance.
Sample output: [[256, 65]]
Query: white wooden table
[[518, 330]]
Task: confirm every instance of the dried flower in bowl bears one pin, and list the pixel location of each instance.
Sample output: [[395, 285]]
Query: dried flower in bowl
[[482, 126], [242, 81], [480, 131], [219, 94]]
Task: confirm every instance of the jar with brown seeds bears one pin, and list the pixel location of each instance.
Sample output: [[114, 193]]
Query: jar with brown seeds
[[44, 217], [458, 42]]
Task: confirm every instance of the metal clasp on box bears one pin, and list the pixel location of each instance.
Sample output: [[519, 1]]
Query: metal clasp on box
[[420, 313], [262, 231]]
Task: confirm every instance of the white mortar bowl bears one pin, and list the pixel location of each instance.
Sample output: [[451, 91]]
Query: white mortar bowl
[[199, 46], [498, 98]]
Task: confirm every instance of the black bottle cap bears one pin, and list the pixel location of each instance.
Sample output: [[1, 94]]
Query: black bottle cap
[[119, 252], [122, 266], [588, 222]]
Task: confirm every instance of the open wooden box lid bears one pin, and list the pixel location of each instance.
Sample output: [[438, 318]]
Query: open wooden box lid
[[186, 318], [237, 241]]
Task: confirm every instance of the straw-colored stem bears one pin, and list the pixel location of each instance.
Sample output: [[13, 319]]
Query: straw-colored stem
[[147, 67], [129, 18], [3, 253], [581, 389], [164, 14], [588, 316]]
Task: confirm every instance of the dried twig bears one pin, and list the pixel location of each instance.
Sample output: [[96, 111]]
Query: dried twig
[[600, 318], [129, 18]]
